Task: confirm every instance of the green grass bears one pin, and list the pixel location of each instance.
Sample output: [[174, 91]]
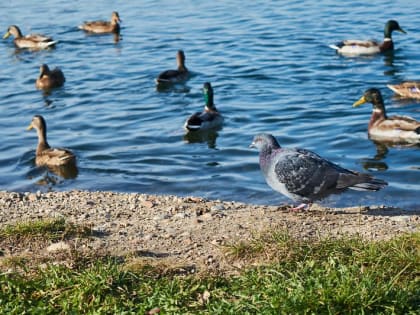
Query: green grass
[[330, 276], [49, 229]]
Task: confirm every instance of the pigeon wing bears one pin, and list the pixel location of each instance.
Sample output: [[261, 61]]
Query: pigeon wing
[[306, 174]]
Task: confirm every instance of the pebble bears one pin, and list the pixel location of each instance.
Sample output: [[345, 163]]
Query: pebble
[[60, 246]]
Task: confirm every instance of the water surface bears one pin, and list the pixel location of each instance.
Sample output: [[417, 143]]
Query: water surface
[[271, 70]]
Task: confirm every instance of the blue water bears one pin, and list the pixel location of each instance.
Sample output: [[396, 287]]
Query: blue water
[[271, 70]]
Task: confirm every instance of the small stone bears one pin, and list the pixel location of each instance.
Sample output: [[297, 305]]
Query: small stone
[[56, 247], [147, 204]]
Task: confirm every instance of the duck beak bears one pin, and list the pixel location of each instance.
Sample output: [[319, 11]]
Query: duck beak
[[401, 30], [29, 127], [6, 35], [360, 102]]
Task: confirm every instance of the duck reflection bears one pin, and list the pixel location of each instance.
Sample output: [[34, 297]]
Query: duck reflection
[[376, 162], [202, 136], [53, 175], [389, 62], [382, 149], [170, 87]]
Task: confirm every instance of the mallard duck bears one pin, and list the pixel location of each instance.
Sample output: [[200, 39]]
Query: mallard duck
[[49, 79], [394, 129], [409, 89], [174, 76], [369, 47], [30, 41], [103, 27], [209, 117], [45, 155]]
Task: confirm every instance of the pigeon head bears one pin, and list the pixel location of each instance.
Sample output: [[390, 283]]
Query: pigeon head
[[264, 142]]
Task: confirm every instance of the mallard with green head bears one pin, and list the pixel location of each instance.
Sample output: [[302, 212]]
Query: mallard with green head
[[30, 41], [103, 27], [207, 119], [394, 129], [45, 155], [408, 89], [174, 76], [369, 47], [49, 79]]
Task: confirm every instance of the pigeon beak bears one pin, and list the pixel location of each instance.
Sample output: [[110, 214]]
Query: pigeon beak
[[252, 145], [359, 102]]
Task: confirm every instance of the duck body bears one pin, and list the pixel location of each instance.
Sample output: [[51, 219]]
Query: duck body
[[103, 27], [49, 79], [45, 155], [394, 129], [369, 47], [209, 118], [30, 41], [178, 75], [408, 89], [303, 175]]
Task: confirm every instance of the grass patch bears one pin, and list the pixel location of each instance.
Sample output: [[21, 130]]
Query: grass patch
[[51, 229], [342, 276]]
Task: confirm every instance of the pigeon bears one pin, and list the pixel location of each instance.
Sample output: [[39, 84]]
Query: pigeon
[[304, 176]]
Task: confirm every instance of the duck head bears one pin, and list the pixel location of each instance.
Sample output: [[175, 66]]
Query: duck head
[[115, 18], [13, 30], [208, 96], [373, 96], [391, 26]]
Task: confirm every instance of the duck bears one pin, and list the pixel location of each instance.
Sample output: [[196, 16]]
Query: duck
[[207, 119], [408, 89], [174, 76], [369, 47], [103, 27], [394, 129], [303, 175], [30, 41], [45, 155], [49, 79]]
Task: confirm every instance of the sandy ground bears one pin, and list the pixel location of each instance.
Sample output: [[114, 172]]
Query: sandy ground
[[189, 230]]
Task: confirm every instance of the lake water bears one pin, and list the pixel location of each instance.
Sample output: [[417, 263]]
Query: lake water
[[271, 69]]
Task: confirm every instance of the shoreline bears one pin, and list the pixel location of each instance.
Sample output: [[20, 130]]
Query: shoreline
[[191, 230]]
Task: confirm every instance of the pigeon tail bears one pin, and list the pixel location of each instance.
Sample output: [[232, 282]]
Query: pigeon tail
[[374, 184]]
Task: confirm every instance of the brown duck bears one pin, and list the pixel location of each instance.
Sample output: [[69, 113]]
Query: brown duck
[[174, 76], [408, 89], [49, 79], [45, 155], [393, 129], [103, 27], [30, 41]]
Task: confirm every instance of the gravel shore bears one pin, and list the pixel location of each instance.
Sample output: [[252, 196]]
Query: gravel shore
[[190, 230]]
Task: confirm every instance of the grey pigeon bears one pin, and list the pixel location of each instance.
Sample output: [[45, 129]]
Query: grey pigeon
[[303, 175]]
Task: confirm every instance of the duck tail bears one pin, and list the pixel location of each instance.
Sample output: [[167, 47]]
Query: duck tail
[[193, 123], [393, 88], [335, 47]]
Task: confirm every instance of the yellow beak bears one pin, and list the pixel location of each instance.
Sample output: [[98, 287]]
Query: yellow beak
[[29, 127], [6, 35], [360, 102]]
